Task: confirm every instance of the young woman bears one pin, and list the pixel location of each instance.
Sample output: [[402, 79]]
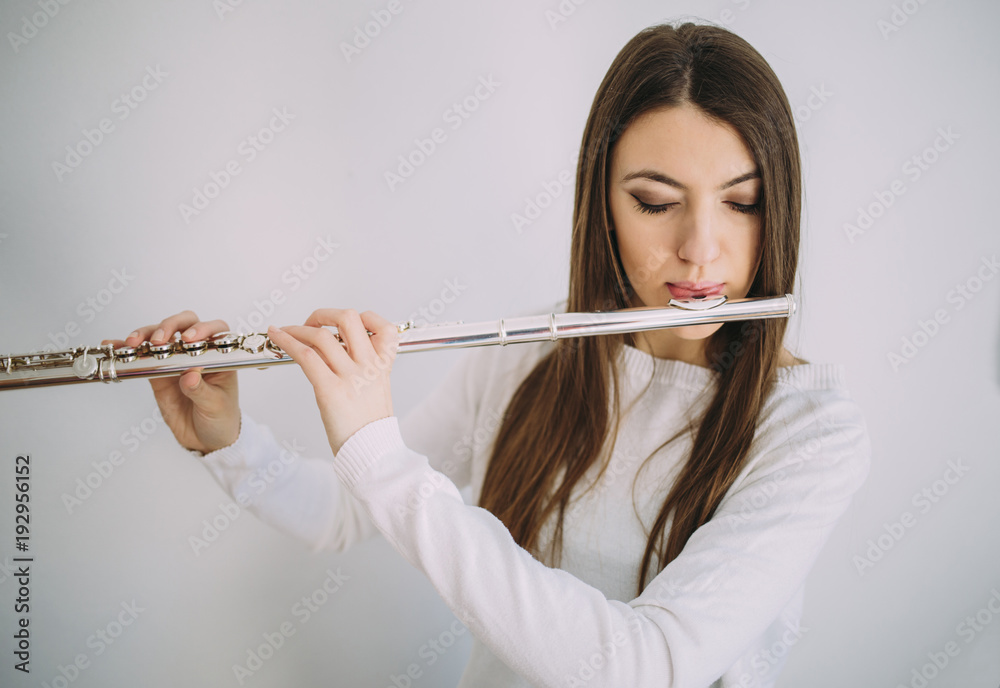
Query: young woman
[[649, 505]]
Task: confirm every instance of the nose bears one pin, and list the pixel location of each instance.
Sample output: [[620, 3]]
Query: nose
[[698, 242]]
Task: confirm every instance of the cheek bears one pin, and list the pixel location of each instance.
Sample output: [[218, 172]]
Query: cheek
[[742, 246], [641, 253], [752, 251], [624, 233], [641, 258]]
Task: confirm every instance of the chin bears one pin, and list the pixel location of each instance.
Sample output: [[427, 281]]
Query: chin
[[695, 332]]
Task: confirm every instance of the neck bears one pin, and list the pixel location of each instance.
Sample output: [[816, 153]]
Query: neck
[[663, 344]]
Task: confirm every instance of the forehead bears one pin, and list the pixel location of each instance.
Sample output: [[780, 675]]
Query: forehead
[[682, 141]]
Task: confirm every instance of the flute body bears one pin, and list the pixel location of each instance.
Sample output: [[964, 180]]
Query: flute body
[[227, 351]]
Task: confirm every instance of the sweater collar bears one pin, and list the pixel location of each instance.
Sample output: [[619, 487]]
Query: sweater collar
[[640, 365]]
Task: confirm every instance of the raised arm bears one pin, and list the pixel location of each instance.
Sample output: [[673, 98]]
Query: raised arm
[[202, 411], [691, 623], [700, 614], [297, 495], [303, 498]]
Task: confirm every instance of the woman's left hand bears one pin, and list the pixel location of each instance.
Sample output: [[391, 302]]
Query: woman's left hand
[[352, 384]]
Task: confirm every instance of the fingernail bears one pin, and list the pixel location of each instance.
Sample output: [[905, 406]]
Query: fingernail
[[189, 332], [158, 335], [134, 334]]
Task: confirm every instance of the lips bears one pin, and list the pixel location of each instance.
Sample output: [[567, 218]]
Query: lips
[[692, 290]]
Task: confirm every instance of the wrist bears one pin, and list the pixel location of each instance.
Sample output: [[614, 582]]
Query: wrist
[[222, 442], [366, 447]]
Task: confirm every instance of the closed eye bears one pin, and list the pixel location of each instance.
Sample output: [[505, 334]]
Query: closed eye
[[745, 209], [651, 209]]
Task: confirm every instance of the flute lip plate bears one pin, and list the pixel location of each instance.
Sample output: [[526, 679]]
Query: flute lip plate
[[697, 304]]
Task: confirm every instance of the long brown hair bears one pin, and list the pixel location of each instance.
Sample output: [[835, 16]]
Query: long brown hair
[[558, 421]]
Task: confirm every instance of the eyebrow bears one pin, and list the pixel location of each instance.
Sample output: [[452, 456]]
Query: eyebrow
[[664, 179]]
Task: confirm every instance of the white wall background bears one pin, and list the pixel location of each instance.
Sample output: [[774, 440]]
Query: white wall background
[[64, 235]]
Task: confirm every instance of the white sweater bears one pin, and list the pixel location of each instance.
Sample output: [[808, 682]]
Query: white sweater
[[725, 612]]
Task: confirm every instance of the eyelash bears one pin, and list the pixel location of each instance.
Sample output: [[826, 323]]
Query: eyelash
[[657, 209]]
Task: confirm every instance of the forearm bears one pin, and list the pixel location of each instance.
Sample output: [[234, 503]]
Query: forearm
[[541, 622], [298, 496], [690, 624]]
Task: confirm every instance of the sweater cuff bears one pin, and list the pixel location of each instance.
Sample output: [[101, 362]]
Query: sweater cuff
[[365, 447], [236, 453]]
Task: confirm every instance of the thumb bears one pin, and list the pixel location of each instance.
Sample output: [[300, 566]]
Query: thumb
[[193, 387], [209, 399]]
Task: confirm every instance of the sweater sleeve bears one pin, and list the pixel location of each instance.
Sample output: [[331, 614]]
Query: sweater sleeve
[[692, 622], [302, 497], [298, 496], [442, 426]]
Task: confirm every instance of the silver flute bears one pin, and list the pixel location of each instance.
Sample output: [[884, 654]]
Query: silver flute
[[229, 351]]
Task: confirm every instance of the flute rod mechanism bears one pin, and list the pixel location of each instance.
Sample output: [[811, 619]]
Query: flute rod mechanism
[[227, 351]]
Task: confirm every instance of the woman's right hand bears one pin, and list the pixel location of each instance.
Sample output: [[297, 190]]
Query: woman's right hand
[[203, 411]]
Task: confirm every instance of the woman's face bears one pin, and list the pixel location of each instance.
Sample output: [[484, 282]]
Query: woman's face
[[684, 194]]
